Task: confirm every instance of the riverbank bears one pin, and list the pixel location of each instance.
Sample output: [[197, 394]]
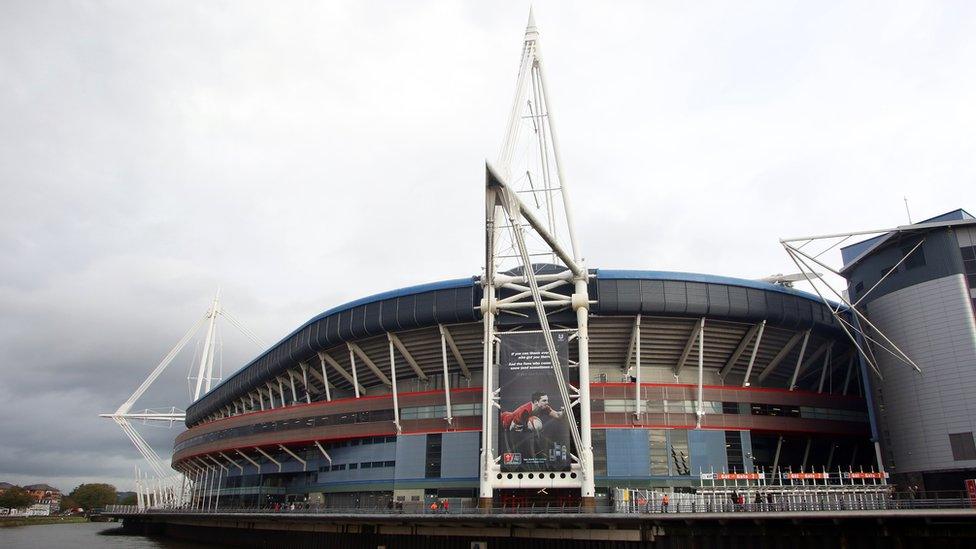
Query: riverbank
[[32, 521]]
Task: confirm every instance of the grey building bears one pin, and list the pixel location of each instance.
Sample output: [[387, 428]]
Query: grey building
[[926, 306]]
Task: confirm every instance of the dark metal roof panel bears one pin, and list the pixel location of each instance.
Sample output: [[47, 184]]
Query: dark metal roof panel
[[413, 307]]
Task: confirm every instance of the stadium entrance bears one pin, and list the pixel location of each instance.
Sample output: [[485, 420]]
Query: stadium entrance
[[550, 497]]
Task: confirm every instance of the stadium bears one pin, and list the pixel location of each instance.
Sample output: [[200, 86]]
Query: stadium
[[540, 381], [379, 401]]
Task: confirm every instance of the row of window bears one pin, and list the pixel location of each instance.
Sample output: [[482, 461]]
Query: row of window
[[656, 406], [474, 409], [355, 466], [358, 442], [776, 410], [418, 412], [440, 411], [712, 407], [288, 425], [282, 396], [833, 414]]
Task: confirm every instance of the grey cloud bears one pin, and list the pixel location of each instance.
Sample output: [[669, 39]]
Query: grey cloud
[[302, 155]]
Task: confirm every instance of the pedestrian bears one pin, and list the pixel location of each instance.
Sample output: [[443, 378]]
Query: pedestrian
[[665, 500], [433, 507], [758, 502], [445, 505]]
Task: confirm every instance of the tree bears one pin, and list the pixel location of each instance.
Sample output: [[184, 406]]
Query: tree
[[129, 499], [93, 496], [16, 498], [67, 503]]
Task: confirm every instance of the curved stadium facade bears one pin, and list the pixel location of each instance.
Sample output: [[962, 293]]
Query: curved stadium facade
[[380, 401]]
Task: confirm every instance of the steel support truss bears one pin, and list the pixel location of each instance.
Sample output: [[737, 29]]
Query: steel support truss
[[846, 313]]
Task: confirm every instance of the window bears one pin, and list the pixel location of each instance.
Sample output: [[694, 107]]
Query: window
[[657, 440], [775, 410], [432, 465], [654, 407], [424, 412], [969, 264], [733, 450], [811, 412], [617, 405], [916, 259], [858, 288], [680, 464], [963, 446], [599, 440], [440, 411], [473, 409], [691, 407]]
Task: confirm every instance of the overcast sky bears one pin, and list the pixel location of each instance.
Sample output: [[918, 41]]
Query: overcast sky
[[300, 155]]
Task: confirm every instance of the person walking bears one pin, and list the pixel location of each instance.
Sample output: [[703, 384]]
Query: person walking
[[665, 500]]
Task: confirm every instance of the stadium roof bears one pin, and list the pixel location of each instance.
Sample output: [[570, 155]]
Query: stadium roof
[[453, 301]]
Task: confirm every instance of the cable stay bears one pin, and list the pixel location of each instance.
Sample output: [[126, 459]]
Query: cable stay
[[864, 335]]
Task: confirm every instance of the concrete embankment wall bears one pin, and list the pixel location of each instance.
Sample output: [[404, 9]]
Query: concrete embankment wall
[[945, 531]]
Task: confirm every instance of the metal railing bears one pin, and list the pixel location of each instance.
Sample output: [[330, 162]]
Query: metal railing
[[787, 500], [678, 504]]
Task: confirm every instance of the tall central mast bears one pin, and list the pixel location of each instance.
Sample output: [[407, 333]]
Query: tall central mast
[[527, 225]]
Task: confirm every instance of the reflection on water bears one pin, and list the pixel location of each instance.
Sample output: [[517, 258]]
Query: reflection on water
[[85, 535]]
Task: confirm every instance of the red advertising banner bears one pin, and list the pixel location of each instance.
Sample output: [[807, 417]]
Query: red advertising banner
[[737, 476], [866, 475], [805, 476]]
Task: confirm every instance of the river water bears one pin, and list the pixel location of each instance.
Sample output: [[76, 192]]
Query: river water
[[83, 535]]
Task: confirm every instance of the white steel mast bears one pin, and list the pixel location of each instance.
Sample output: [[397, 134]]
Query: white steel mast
[[170, 483], [205, 371], [516, 231]]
